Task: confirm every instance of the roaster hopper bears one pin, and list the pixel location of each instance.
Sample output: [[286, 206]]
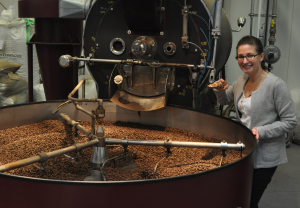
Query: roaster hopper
[[227, 186]]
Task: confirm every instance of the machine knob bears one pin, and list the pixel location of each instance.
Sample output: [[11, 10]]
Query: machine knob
[[144, 47], [65, 61], [139, 48], [118, 79]]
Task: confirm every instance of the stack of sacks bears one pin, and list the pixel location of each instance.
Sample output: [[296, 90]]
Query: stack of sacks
[[14, 35], [13, 87]]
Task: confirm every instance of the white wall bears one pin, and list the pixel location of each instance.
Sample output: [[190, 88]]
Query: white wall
[[288, 19]]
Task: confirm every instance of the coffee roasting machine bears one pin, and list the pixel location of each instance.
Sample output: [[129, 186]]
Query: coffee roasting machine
[[143, 56], [146, 54]]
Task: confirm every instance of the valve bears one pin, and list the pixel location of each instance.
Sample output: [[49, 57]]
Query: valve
[[100, 114]]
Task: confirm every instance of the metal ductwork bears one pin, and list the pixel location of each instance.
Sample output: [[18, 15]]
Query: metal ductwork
[[74, 9]]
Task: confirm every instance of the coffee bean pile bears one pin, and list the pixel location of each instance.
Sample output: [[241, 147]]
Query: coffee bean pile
[[28, 140]]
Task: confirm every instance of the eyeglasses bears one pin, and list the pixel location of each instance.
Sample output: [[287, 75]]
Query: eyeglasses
[[248, 57]]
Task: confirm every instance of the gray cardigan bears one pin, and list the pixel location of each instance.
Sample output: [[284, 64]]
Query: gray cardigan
[[272, 113]]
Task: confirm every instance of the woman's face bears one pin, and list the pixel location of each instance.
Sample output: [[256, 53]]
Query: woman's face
[[249, 66]]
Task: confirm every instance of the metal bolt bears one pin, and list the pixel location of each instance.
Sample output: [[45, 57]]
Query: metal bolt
[[178, 86], [149, 55], [161, 33], [152, 44], [129, 31], [196, 50], [162, 8], [111, 9]]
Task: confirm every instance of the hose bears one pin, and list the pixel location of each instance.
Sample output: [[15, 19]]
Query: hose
[[203, 71], [197, 47]]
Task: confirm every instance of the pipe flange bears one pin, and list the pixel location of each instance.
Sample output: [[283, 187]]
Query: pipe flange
[[144, 47], [168, 143], [44, 156], [117, 46], [169, 48], [224, 145]]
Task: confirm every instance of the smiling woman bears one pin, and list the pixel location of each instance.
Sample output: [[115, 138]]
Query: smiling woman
[[263, 103]]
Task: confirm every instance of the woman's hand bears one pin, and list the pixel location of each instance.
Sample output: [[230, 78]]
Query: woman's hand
[[225, 85], [256, 134]]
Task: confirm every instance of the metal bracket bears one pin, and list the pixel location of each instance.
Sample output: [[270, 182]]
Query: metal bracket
[[91, 55], [241, 149], [167, 145], [185, 37], [212, 76], [125, 143], [216, 33], [224, 153], [224, 146], [44, 157], [76, 158], [75, 134]]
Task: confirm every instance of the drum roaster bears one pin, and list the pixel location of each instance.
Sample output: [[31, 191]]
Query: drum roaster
[[99, 155], [163, 58]]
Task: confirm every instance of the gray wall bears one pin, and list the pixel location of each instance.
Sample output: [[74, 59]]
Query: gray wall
[[288, 18], [7, 3]]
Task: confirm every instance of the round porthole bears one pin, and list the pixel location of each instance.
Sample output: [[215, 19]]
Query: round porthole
[[169, 48], [117, 46]]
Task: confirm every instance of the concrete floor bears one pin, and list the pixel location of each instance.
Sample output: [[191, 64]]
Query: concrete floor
[[284, 189]]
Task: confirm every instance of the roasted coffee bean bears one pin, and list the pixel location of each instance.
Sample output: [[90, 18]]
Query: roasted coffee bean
[[26, 141]]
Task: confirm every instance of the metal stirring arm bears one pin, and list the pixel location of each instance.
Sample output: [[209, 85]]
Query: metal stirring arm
[[67, 61]]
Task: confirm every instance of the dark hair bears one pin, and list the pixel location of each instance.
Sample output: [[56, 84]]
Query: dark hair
[[250, 40]]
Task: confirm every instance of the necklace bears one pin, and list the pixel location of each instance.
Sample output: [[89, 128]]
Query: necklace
[[249, 92]]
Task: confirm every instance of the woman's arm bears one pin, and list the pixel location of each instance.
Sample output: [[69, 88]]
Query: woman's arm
[[285, 109], [225, 94]]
